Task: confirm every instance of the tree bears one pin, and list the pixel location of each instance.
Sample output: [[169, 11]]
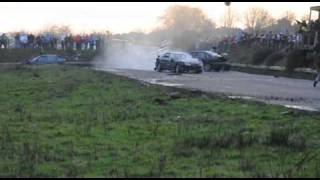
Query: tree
[[230, 19], [256, 19], [304, 17], [289, 16], [186, 26], [57, 29], [286, 23]]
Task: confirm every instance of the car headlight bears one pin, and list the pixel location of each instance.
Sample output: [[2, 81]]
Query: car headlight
[[187, 64]]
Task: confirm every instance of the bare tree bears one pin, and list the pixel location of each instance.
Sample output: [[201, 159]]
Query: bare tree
[[57, 29], [304, 17], [290, 16], [256, 19], [185, 18], [230, 19]]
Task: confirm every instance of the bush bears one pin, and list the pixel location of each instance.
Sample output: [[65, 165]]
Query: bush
[[298, 58], [260, 55], [297, 141], [279, 136], [274, 58]]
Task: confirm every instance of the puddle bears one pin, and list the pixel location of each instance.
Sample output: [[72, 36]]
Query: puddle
[[306, 108], [156, 81]]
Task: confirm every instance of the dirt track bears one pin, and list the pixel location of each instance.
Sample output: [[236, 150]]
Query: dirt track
[[276, 90]]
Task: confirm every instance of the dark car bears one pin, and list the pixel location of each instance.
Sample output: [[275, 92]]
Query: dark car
[[178, 62], [211, 60], [46, 59]]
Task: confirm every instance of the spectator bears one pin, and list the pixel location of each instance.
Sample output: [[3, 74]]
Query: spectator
[[63, 41], [39, 41], [4, 41], [77, 40], [23, 40], [31, 39], [17, 40], [316, 61], [93, 40]]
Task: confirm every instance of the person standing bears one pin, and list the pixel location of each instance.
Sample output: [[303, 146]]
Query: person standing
[[316, 61], [17, 40], [315, 82]]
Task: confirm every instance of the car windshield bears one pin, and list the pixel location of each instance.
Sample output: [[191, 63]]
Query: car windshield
[[34, 59]]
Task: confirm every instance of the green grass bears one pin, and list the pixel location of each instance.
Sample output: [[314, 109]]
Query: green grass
[[60, 121], [19, 55]]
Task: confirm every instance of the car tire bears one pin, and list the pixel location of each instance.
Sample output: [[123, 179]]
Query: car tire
[[158, 68]]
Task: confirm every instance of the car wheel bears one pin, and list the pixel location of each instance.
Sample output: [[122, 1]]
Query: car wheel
[[158, 68], [207, 67], [177, 70]]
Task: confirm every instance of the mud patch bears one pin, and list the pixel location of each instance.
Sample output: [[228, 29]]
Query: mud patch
[[164, 83]]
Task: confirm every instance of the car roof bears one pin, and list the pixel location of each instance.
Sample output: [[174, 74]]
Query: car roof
[[179, 52], [45, 55], [209, 52]]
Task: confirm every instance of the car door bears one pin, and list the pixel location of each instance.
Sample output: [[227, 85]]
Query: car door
[[202, 57], [41, 60], [194, 54], [60, 59], [165, 60], [208, 57], [173, 60], [52, 59]]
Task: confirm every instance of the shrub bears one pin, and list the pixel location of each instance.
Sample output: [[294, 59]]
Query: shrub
[[246, 139], [298, 58], [297, 141], [260, 55], [279, 136], [247, 164], [274, 58]]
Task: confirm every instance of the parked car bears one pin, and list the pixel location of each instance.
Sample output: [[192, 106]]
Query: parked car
[[178, 62], [46, 59], [211, 60]]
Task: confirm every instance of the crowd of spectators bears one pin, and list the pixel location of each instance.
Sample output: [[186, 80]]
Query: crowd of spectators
[[275, 40], [62, 41]]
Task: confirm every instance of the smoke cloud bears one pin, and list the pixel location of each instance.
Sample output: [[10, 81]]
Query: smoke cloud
[[124, 55]]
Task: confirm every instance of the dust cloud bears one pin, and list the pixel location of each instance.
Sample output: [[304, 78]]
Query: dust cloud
[[124, 55]]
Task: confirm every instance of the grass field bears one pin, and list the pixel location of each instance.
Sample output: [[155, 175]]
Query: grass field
[[62, 121], [19, 55]]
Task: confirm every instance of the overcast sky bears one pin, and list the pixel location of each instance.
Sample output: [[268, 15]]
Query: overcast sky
[[119, 17]]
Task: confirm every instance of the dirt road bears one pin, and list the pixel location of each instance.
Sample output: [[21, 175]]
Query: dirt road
[[295, 93]]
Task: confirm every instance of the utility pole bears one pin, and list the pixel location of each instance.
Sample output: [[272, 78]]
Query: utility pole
[[227, 20], [227, 16]]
